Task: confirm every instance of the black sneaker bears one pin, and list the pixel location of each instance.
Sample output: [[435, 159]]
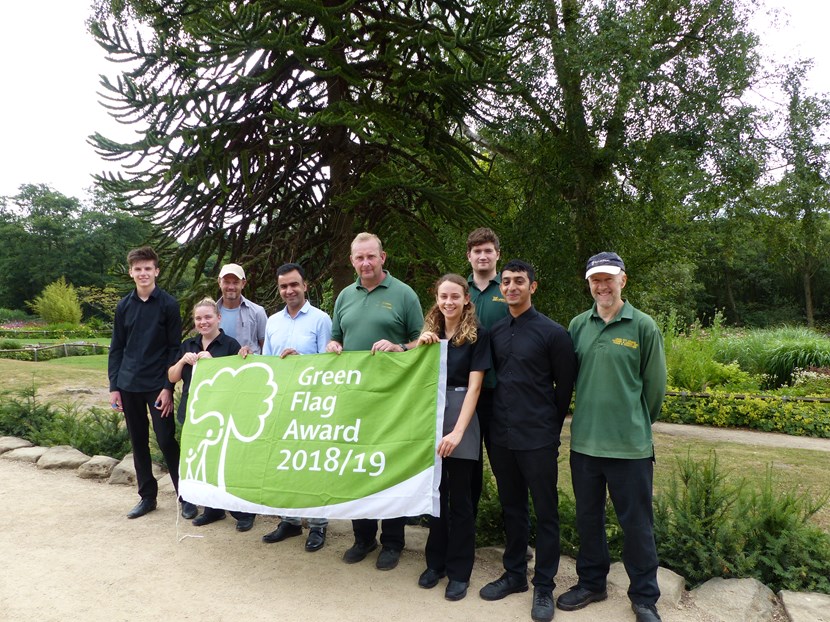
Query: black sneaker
[[578, 597], [503, 586], [359, 551], [456, 590], [388, 559], [189, 510], [429, 578], [543, 609], [645, 613]]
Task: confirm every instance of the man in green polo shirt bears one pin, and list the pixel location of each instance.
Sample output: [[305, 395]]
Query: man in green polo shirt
[[619, 392], [483, 252], [378, 313]]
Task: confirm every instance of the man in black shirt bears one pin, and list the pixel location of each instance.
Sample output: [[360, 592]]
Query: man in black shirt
[[535, 368], [145, 341]]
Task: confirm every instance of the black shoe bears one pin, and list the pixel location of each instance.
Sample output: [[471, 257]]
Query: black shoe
[[145, 506], [503, 586], [388, 559], [245, 524], [456, 590], [543, 609], [645, 613], [316, 539], [189, 510], [429, 578], [578, 597], [359, 551], [206, 518], [284, 530]]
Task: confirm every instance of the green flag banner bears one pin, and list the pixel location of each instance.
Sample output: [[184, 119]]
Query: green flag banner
[[320, 435]]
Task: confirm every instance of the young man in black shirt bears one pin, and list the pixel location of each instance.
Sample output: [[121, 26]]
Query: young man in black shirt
[[535, 368], [146, 335]]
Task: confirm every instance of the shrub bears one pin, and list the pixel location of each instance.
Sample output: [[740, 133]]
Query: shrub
[[710, 525], [13, 316], [722, 410], [775, 354], [22, 415], [58, 302], [95, 432]]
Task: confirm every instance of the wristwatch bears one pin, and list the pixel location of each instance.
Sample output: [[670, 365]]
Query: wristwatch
[[403, 347]]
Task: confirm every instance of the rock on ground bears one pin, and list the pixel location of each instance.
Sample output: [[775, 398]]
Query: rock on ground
[[736, 599], [62, 457]]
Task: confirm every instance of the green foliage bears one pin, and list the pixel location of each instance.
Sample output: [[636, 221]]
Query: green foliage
[[775, 353], [14, 315], [723, 410], [47, 235], [22, 415], [709, 524], [692, 357], [329, 119], [10, 344], [94, 432], [58, 303], [692, 522]]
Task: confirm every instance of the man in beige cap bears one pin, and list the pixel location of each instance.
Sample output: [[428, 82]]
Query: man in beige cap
[[241, 319]]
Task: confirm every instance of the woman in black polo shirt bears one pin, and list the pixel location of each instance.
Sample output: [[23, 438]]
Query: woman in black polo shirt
[[211, 342], [450, 548]]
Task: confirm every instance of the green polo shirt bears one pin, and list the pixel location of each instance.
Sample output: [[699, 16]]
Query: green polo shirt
[[490, 308], [620, 385], [490, 304], [390, 311]]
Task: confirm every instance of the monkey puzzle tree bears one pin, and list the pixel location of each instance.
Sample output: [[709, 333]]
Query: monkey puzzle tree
[[273, 130]]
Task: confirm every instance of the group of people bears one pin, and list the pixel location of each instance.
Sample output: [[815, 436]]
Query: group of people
[[511, 374]]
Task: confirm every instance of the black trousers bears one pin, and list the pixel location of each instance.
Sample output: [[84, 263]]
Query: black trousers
[[629, 483], [391, 531], [484, 412], [536, 471], [136, 406], [451, 544]]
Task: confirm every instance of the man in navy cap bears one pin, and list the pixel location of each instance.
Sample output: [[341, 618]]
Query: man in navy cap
[[619, 392]]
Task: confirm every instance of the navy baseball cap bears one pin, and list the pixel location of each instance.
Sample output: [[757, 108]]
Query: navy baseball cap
[[609, 263]]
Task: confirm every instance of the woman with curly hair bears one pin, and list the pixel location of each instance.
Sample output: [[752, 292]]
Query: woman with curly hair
[[450, 548]]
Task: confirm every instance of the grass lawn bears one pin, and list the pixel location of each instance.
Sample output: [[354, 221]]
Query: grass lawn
[[805, 469]]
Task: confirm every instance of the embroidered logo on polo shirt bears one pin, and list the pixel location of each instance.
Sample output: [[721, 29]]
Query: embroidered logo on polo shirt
[[498, 299], [626, 342], [386, 305]]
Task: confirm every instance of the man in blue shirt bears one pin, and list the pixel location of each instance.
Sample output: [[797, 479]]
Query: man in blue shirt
[[299, 328], [241, 319]]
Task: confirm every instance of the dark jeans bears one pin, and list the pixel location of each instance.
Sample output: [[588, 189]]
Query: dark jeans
[[391, 531], [451, 544], [517, 472], [136, 406], [484, 412], [629, 483]]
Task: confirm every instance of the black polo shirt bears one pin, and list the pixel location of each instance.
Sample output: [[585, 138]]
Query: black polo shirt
[[467, 357], [223, 345], [536, 369], [145, 339]]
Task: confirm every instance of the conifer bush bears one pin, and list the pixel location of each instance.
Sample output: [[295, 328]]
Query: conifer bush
[[58, 303]]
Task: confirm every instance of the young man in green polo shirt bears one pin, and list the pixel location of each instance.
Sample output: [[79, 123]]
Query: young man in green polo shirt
[[619, 392], [483, 252], [378, 313]]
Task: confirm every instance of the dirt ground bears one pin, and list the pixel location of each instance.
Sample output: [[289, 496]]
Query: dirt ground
[[68, 553]]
